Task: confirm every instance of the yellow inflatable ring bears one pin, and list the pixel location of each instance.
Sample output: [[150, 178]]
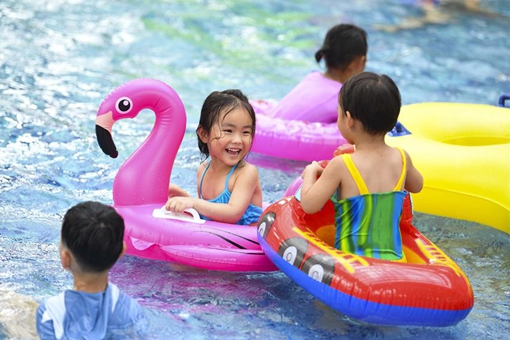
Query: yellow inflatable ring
[[463, 153]]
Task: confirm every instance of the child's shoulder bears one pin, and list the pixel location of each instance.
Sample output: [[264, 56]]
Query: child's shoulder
[[247, 169], [337, 165], [246, 173], [201, 168], [339, 161]]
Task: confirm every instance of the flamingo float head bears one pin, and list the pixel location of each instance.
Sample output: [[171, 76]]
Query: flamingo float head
[[126, 101], [151, 164]]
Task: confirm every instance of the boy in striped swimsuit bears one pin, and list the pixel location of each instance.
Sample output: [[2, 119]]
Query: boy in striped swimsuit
[[368, 186]]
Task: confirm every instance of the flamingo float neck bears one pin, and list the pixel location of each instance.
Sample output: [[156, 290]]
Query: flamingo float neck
[[144, 177]]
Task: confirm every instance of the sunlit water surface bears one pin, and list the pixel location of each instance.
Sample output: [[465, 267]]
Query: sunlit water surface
[[59, 59]]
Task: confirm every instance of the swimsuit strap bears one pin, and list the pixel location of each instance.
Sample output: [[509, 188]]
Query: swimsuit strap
[[202, 178], [400, 182], [226, 182], [360, 183], [229, 174]]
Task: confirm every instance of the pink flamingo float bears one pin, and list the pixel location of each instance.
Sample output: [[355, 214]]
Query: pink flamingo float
[[140, 189]]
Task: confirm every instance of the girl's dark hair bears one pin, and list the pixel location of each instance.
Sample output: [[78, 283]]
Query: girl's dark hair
[[372, 99], [214, 105], [342, 44], [94, 233]]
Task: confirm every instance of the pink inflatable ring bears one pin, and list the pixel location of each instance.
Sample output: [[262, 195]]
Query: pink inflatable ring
[[293, 139]]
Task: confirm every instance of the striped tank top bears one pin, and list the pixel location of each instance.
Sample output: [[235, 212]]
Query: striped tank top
[[368, 224]]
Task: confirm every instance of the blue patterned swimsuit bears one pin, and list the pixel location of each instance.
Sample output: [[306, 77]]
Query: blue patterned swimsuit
[[369, 224], [252, 213]]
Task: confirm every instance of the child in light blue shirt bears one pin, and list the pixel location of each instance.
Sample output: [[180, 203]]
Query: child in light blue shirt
[[91, 243]]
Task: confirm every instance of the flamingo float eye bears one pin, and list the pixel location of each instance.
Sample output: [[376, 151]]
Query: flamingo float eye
[[124, 105]]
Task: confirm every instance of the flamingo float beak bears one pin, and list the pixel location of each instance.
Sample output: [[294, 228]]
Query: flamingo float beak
[[104, 125]]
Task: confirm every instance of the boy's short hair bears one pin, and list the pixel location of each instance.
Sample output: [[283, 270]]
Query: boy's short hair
[[94, 233], [372, 99]]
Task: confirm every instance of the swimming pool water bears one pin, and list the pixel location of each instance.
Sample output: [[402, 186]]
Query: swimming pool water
[[59, 59]]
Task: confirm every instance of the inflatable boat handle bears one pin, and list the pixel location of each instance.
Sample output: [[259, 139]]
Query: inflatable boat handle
[[502, 99], [399, 130], [189, 215]]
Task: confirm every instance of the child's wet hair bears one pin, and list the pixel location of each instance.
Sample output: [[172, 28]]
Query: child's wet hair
[[93, 232], [372, 99], [342, 44], [217, 103]]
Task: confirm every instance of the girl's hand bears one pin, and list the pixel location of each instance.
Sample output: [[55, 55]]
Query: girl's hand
[[312, 170], [345, 148], [178, 204]]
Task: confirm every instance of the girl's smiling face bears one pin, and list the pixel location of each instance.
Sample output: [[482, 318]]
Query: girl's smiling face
[[231, 137]]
